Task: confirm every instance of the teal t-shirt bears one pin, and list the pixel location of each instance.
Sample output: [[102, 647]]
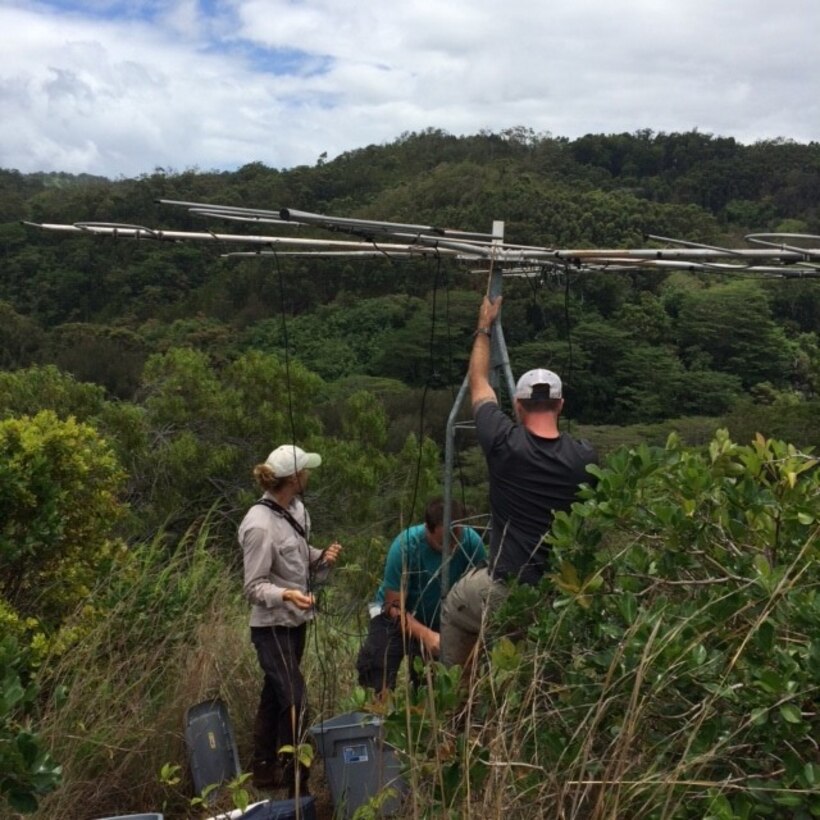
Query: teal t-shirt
[[411, 556]]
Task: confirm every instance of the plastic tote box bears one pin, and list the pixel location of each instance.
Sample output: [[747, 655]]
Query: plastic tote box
[[358, 763], [211, 746]]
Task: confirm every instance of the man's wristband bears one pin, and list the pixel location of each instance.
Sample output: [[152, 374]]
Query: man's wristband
[[483, 331]]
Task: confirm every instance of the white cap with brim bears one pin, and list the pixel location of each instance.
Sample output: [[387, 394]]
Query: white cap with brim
[[288, 460], [539, 385]]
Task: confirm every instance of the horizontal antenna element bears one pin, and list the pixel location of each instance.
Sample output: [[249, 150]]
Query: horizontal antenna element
[[782, 255]]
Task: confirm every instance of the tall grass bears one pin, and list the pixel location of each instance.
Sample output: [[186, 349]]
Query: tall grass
[[171, 634], [542, 729], [518, 740]]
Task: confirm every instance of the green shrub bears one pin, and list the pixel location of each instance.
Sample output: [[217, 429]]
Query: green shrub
[[58, 508], [27, 771]]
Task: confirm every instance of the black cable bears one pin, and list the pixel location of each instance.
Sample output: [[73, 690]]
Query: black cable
[[432, 369], [414, 498], [568, 325], [568, 328], [286, 343], [453, 391], [309, 575]]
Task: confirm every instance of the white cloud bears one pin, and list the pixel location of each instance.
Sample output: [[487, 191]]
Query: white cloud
[[280, 82]]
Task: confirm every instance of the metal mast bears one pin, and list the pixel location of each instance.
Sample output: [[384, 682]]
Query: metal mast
[[499, 371]]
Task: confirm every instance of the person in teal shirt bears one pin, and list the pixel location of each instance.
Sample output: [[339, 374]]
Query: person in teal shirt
[[405, 614]]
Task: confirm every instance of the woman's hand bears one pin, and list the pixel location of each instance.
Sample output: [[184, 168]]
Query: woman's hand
[[332, 553], [299, 599]]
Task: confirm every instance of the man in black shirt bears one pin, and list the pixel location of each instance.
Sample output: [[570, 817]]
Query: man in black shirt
[[534, 470]]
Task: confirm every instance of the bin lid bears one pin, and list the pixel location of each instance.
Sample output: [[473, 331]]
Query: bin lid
[[149, 816], [270, 810], [348, 720]]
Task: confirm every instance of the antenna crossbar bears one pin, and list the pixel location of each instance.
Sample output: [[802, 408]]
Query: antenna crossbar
[[774, 254]]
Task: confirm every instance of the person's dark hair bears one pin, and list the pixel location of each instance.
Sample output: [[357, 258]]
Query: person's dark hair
[[540, 405], [434, 512], [267, 481]]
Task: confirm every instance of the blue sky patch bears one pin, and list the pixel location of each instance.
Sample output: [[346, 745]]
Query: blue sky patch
[[145, 10], [284, 61]]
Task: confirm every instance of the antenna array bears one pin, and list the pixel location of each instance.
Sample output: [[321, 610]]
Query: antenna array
[[777, 255]]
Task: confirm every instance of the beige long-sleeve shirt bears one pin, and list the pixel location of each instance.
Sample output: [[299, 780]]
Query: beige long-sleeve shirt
[[276, 558]]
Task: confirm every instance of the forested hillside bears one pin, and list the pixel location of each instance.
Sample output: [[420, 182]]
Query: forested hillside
[[140, 382], [641, 342], [637, 347]]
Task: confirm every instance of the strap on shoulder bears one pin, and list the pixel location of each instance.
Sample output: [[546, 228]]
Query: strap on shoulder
[[283, 513]]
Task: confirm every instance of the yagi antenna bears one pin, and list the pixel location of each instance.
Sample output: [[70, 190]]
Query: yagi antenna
[[781, 255]]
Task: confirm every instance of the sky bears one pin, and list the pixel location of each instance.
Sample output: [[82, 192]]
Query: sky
[[120, 89]]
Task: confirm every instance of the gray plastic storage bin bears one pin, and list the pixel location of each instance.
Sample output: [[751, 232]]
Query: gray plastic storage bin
[[211, 748], [358, 763]]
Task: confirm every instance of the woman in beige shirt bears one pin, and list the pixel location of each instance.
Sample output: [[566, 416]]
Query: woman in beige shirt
[[281, 568]]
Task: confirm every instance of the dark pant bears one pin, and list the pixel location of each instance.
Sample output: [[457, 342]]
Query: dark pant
[[381, 654], [280, 716]]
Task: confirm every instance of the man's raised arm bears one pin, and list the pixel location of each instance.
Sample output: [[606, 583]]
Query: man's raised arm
[[479, 371]]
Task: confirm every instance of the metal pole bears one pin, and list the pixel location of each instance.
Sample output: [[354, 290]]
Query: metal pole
[[499, 365]]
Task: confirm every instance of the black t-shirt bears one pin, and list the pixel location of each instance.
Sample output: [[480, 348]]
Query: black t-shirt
[[530, 477]]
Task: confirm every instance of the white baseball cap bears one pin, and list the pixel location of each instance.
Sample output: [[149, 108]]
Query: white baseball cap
[[288, 459], [538, 384]]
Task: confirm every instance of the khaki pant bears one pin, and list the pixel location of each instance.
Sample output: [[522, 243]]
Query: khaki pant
[[464, 612]]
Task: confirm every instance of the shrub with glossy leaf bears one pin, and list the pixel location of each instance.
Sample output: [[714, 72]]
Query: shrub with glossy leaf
[[670, 666], [27, 771], [679, 663]]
